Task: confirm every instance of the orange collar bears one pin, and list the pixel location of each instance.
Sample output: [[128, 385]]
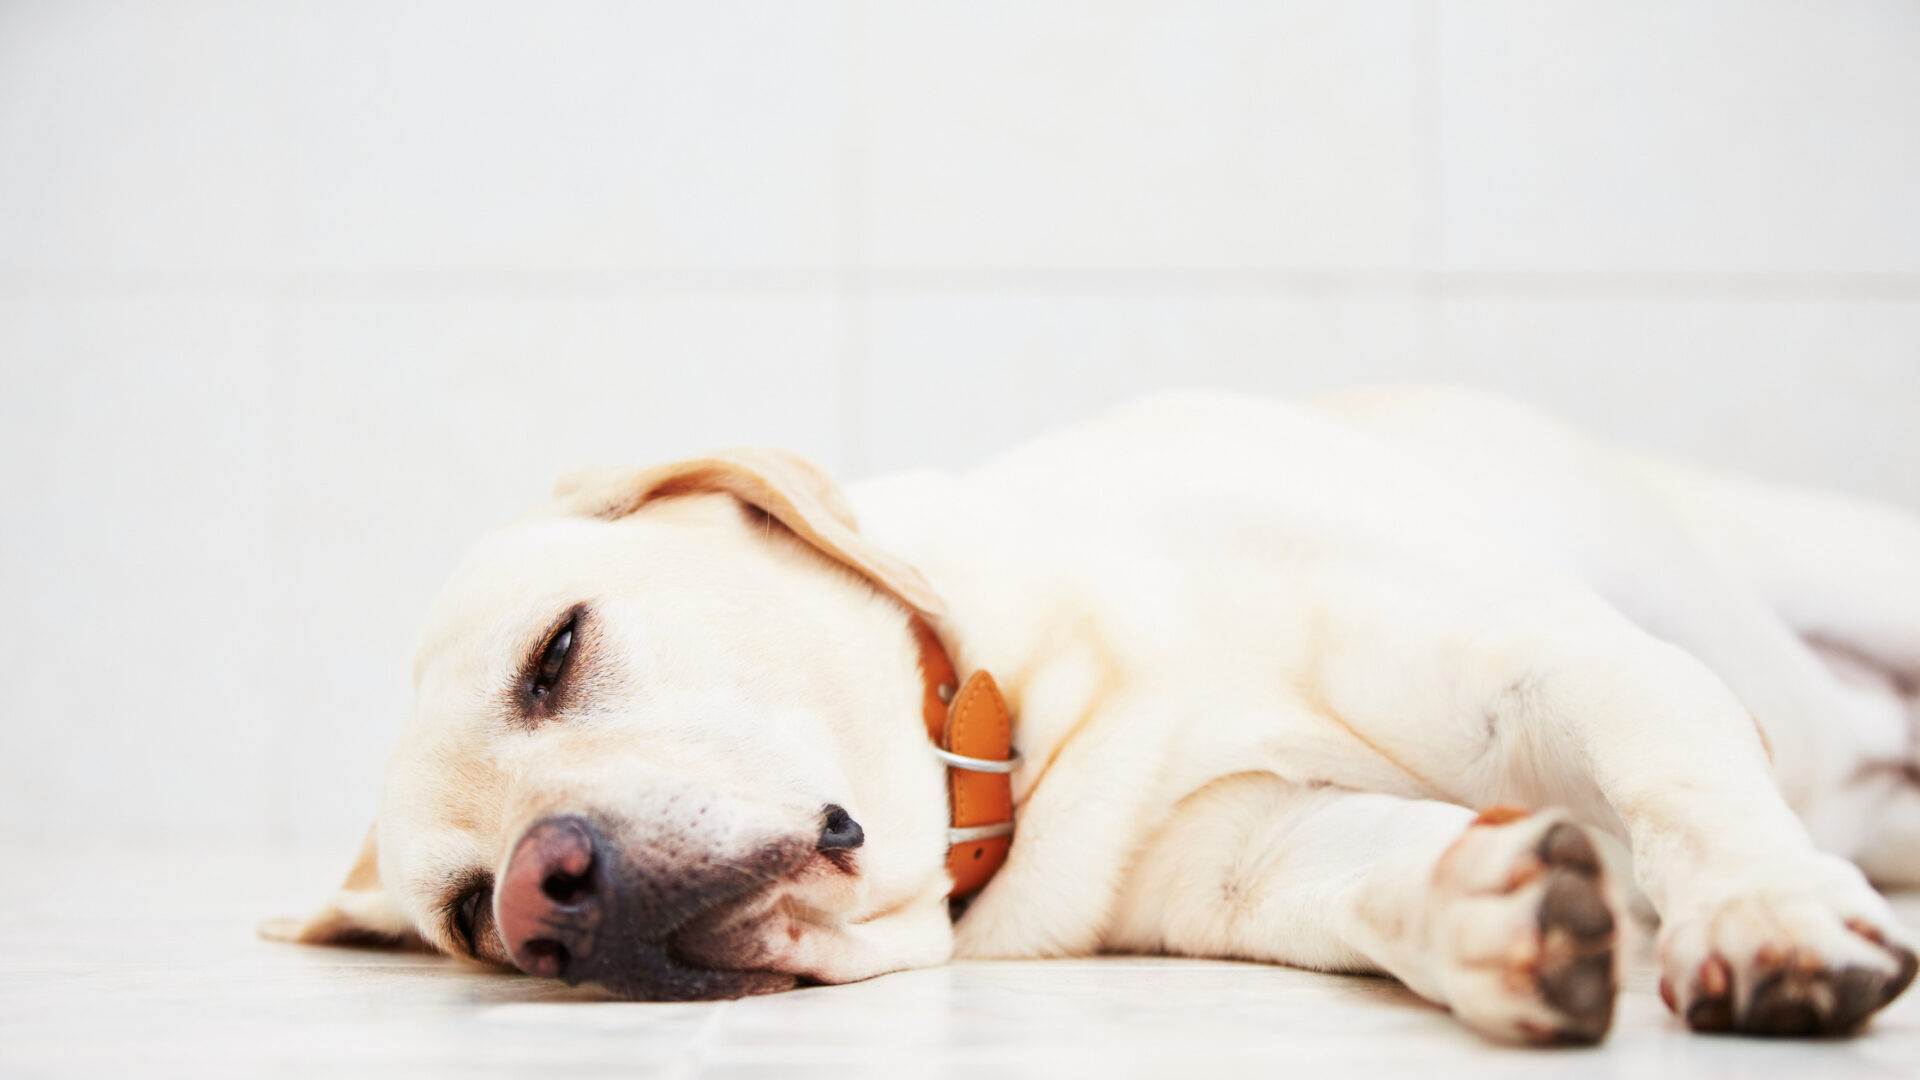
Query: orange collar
[[973, 733]]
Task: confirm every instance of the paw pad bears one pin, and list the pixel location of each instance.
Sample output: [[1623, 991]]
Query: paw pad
[[1575, 971], [1792, 992]]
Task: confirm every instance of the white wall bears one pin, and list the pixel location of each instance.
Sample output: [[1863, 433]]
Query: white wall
[[297, 300]]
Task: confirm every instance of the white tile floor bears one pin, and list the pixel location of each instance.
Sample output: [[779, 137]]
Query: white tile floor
[[113, 963]]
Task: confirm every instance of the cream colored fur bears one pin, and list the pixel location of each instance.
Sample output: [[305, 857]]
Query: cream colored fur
[[1266, 661]]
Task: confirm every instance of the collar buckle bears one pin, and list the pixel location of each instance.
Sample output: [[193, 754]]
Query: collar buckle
[[979, 765], [972, 733]]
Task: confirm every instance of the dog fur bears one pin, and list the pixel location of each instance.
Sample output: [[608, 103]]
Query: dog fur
[[1267, 661]]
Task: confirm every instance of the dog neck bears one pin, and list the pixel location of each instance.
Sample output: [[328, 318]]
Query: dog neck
[[972, 732]]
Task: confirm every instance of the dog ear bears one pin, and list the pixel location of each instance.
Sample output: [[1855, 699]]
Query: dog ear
[[360, 914], [787, 487]]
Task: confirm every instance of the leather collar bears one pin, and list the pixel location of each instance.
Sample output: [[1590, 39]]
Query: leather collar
[[973, 733]]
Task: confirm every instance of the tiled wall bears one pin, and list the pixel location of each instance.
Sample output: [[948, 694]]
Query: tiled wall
[[295, 300]]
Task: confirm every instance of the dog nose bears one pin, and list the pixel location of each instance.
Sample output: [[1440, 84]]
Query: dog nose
[[838, 831], [552, 897]]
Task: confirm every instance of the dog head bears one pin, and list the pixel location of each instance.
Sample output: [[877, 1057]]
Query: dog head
[[665, 738]]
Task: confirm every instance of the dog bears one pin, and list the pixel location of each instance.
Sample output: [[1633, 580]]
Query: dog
[[1386, 682]]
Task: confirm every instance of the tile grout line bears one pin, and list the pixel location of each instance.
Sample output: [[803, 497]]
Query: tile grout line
[[687, 1063], [1431, 167], [1427, 163], [854, 281], [278, 815]]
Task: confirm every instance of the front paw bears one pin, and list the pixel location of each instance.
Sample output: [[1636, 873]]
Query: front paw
[[1525, 930], [1815, 952]]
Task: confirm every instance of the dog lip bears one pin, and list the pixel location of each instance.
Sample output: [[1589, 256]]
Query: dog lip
[[691, 962], [709, 955], [654, 972], [678, 951], [842, 860], [734, 922]]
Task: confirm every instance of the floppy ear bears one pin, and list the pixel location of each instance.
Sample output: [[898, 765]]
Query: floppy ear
[[360, 915], [789, 488]]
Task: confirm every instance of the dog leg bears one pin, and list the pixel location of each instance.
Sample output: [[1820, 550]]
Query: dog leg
[[1893, 858], [1838, 568], [1509, 922], [1761, 933]]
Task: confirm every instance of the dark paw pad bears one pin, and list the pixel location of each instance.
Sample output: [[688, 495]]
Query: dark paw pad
[[1575, 904], [1576, 971], [1909, 964], [1792, 998], [1783, 1005], [1569, 846], [1711, 1005]]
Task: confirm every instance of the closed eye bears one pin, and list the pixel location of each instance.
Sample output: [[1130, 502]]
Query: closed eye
[[468, 915], [546, 672], [553, 662]]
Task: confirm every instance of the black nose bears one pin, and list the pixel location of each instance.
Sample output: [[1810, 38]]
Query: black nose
[[840, 832]]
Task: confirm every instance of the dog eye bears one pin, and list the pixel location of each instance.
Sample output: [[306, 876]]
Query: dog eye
[[474, 904], [553, 662]]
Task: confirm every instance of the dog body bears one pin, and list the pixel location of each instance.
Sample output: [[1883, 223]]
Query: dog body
[[1267, 660]]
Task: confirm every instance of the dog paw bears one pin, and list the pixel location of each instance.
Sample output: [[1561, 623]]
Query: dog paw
[[1525, 930], [1814, 957]]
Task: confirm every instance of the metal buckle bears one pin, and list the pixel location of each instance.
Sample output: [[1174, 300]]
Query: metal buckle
[[974, 764], [978, 832]]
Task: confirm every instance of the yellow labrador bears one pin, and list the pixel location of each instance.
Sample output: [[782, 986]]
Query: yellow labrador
[[1267, 661]]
